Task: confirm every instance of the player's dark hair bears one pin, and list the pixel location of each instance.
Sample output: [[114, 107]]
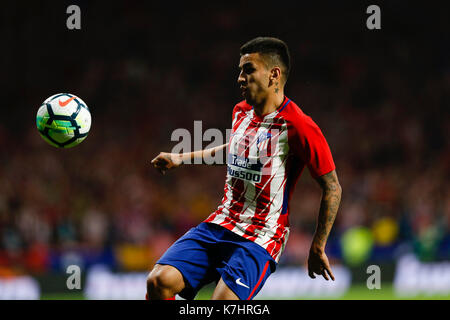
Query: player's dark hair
[[274, 50]]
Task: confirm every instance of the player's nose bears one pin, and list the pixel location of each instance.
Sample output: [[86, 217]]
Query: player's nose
[[240, 79]]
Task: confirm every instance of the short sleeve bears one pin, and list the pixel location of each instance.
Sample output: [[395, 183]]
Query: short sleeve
[[239, 111], [236, 110], [310, 145]]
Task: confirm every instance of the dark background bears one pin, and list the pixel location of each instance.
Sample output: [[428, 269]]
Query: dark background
[[144, 69]]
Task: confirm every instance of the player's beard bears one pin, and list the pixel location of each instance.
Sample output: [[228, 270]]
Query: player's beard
[[255, 97], [250, 96], [247, 96]]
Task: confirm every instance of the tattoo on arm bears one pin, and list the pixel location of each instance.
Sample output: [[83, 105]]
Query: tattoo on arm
[[329, 206]]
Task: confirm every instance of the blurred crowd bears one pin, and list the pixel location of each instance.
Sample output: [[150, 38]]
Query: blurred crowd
[[381, 101]]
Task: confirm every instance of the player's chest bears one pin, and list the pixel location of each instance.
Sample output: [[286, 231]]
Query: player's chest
[[266, 139]]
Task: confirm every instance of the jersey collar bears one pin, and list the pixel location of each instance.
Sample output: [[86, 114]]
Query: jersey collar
[[257, 118]]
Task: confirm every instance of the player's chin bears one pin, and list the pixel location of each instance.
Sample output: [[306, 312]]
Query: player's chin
[[247, 97]]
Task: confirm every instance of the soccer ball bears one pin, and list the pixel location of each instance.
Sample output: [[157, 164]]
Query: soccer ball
[[63, 120]]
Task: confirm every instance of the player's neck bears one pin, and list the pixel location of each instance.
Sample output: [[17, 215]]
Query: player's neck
[[269, 105]]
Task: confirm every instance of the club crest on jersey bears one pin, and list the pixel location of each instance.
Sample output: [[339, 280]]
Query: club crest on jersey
[[263, 140], [263, 136]]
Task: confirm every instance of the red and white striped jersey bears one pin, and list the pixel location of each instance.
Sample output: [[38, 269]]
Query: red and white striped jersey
[[266, 156]]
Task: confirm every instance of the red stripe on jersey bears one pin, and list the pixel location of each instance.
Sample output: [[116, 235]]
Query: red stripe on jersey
[[238, 190], [283, 220], [237, 202], [259, 280], [240, 118], [277, 240], [237, 187], [258, 220], [263, 202], [247, 140], [221, 207], [275, 243]]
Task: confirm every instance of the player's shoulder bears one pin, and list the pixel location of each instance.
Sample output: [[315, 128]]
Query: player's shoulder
[[295, 117], [292, 112], [241, 109], [242, 106]]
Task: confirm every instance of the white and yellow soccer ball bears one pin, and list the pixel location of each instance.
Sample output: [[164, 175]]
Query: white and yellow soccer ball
[[63, 120]]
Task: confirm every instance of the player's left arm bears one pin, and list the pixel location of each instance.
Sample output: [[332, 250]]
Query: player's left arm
[[310, 145], [331, 197]]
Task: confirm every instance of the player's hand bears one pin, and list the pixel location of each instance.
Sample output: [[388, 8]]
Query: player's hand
[[318, 264], [165, 161]]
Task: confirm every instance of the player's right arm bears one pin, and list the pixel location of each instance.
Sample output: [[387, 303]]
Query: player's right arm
[[165, 161]]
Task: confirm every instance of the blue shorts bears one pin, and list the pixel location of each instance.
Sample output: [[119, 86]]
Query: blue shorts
[[209, 252]]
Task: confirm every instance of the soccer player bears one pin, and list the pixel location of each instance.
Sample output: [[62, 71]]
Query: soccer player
[[239, 245]]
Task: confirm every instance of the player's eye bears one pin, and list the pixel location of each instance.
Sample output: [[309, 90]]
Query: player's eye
[[249, 70]]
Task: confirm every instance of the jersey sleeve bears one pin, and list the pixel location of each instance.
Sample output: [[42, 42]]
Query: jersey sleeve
[[310, 145], [237, 108]]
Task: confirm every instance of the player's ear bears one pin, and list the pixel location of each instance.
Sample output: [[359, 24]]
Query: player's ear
[[275, 74]]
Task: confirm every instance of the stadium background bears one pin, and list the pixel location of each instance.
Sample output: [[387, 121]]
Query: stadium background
[[145, 69]]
